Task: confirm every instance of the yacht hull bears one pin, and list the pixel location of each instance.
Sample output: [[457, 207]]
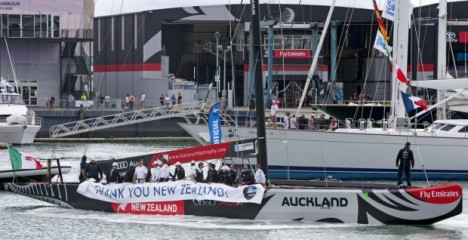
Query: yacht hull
[[357, 154], [314, 204], [18, 134]]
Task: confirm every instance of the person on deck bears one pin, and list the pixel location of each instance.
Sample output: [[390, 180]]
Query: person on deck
[[234, 175], [333, 124], [293, 122], [113, 176], [198, 175], [259, 175], [83, 165], [164, 171], [179, 99], [404, 162], [286, 121], [179, 172], [274, 113], [140, 172], [212, 176], [156, 171], [247, 177], [224, 176], [93, 170], [303, 122]]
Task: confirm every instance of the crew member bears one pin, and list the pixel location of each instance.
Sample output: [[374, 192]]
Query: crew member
[[164, 177], [198, 175], [404, 162], [212, 174], [179, 172], [93, 170], [247, 177], [224, 176], [233, 172], [259, 175], [156, 171], [140, 172], [83, 165], [113, 176]]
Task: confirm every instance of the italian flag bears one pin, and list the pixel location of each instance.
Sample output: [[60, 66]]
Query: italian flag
[[21, 160]]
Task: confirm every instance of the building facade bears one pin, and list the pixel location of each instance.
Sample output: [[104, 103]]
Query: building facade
[[137, 51], [42, 47]]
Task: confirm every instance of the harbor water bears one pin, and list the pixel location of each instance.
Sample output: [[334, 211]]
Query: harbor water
[[25, 218]]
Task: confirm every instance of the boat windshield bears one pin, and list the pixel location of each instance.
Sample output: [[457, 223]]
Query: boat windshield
[[11, 99]]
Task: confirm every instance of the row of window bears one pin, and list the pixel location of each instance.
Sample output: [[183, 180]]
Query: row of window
[[30, 25]]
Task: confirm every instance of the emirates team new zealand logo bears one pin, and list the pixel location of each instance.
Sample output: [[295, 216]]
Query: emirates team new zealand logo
[[249, 192]]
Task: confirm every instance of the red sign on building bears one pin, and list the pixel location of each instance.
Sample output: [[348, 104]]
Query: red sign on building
[[293, 53]]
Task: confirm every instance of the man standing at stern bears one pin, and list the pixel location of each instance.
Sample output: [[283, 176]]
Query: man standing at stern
[[404, 162]]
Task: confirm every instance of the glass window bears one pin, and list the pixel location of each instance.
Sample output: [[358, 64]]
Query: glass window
[[56, 26], [297, 43], [278, 43], [307, 43], [288, 44], [447, 127], [40, 26], [25, 93], [464, 129], [437, 126], [14, 26], [28, 26], [4, 25]]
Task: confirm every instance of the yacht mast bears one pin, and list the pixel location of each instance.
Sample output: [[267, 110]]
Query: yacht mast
[[400, 53], [441, 51], [258, 78]]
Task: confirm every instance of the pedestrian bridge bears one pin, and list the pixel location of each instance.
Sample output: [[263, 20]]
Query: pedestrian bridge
[[126, 118]]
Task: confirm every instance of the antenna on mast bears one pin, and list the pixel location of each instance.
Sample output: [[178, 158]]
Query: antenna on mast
[[11, 63]]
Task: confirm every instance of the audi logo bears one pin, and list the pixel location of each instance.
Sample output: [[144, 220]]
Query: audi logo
[[206, 203], [123, 165]]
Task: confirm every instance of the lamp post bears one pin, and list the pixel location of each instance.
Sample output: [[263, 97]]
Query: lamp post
[[217, 35]]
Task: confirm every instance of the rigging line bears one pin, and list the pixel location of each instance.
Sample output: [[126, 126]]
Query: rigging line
[[420, 158], [453, 60]]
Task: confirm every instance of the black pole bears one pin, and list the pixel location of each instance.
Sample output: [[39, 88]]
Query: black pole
[[259, 104], [49, 163], [60, 170]]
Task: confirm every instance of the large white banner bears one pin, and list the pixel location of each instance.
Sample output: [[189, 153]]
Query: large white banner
[[171, 191]]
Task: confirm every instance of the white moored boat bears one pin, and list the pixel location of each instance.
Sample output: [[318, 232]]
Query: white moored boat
[[18, 125]]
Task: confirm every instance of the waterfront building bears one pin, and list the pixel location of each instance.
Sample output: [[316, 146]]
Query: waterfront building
[[49, 43]]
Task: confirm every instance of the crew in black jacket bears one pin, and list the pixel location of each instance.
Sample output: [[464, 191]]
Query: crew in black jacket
[[113, 176], [212, 174], [93, 170], [404, 162], [179, 172], [247, 177]]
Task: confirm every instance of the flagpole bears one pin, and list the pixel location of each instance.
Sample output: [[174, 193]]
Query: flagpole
[[12, 167]]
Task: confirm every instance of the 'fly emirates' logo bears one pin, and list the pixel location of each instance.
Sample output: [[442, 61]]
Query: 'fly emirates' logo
[[438, 194]]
